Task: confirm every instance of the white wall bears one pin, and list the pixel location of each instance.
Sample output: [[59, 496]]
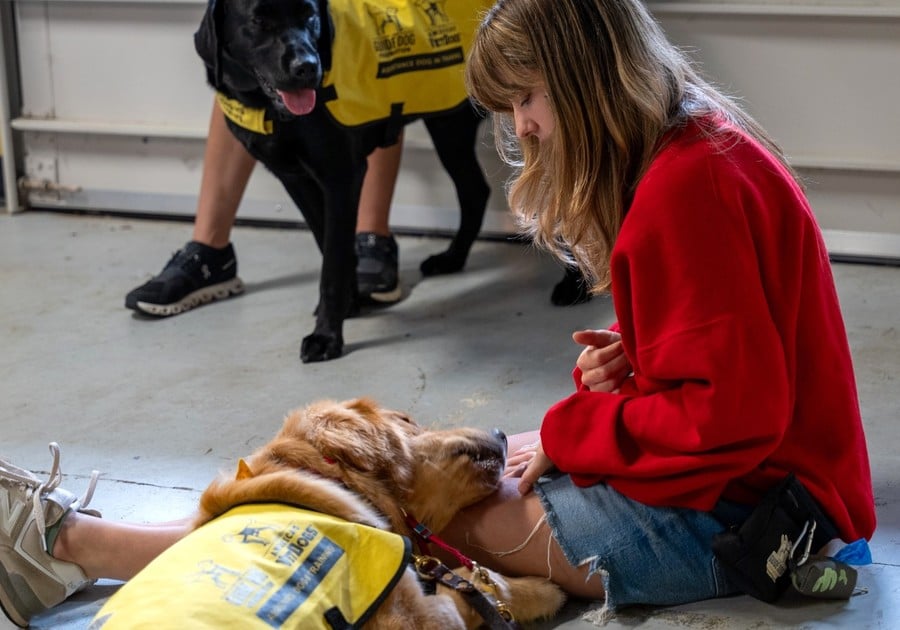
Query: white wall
[[114, 109], [824, 79]]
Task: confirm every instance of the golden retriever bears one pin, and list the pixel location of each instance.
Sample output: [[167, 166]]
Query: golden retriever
[[365, 464]]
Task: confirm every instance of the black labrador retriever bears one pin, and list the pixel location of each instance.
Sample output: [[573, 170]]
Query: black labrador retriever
[[267, 59]]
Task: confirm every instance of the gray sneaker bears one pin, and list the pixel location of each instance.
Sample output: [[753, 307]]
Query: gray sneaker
[[31, 511], [376, 268]]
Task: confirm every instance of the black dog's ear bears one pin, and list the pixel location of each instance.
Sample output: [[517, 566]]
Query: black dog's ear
[[326, 37], [206, 42]]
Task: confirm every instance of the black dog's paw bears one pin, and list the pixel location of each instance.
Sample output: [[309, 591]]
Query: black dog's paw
[[321, 347], [439, 264], [571, 290]]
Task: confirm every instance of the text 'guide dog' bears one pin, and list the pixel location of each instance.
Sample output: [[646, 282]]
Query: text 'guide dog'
[[311, 87]]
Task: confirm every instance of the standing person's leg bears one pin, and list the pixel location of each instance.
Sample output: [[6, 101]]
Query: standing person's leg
[[226, 170], [378, 189], [206, 268], [376, 249]]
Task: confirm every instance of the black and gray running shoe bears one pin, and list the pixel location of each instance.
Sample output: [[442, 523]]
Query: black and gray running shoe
[[376, 268], [195, 275]]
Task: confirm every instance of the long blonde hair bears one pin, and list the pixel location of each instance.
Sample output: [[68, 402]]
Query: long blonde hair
[[616, 86]]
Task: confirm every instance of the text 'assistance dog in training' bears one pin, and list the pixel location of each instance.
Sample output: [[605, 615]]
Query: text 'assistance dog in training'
[[311, 87], [315, 531]]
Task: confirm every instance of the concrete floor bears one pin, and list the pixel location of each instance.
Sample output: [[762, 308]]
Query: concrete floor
[[159, 406]]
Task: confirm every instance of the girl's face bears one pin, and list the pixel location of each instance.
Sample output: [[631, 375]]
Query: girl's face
[[533, 115]]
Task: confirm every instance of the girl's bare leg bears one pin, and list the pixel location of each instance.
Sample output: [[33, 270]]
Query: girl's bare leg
[[111, 549], [508, 532]]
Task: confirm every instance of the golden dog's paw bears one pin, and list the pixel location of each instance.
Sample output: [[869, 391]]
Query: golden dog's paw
[[529, 598], [525, 598]]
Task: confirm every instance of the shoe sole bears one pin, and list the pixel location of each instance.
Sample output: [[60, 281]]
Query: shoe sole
[[386, 296], [199, 297], [6, 604]]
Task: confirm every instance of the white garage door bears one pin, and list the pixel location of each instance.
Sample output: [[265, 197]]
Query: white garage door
[[107, 110]]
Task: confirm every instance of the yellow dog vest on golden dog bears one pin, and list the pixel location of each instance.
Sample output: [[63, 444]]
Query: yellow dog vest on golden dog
[[263, 566], [390, 58]]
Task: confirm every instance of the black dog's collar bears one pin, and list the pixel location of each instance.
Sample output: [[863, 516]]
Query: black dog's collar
[[250, 118]]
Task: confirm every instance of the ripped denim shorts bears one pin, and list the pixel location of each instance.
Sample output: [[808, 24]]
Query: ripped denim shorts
[[645, 554]]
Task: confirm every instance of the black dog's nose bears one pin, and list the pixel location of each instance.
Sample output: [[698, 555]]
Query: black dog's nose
[[500, 435], [304, 69]]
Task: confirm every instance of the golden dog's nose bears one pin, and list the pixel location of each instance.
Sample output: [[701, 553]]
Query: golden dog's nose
[[499, 435]]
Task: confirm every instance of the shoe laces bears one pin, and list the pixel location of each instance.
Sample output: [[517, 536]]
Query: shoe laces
[[184, 260], [41, 489]]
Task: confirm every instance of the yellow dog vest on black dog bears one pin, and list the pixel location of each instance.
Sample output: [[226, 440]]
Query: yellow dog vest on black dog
[[390, 58], [395, 57], [263, 566]]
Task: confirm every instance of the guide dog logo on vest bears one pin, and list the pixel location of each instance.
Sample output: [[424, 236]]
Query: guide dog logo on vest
[[398, 57]]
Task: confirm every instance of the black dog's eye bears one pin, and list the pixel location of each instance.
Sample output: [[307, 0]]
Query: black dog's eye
[[257, 21], [263, 16], [307, 15], [314, 25]]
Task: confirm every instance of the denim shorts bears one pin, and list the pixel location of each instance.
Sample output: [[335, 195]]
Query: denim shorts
[[644, 554]]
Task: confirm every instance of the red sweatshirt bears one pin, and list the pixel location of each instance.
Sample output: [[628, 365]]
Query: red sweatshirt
[[729, 317]]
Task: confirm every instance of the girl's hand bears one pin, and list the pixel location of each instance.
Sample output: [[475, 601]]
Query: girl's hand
[[538, 465], [517, 462], [602, 363], [528, 463]]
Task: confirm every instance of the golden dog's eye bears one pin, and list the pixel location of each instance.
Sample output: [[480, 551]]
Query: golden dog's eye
[[475, 456]]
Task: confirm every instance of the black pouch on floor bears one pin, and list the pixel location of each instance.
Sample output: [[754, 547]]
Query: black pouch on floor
[[759, 555]]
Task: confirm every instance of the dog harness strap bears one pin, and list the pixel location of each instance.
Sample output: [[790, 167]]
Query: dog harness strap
[[425, 536], [336, 619], [394, 126], [326, 93], [250, 118], [484, 604]]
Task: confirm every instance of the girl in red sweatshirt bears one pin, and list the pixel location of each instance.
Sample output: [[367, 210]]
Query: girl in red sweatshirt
[[729, 365], [728, 368]]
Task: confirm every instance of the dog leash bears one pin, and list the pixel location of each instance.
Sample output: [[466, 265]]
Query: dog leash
[[495, 612]]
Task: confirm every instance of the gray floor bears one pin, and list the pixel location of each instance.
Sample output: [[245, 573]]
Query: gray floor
[[161, 405]]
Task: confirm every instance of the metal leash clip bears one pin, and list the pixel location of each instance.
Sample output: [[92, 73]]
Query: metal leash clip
[[425, 566], [489, 586]]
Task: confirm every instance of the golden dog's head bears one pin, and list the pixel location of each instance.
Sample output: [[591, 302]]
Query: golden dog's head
[[387, 459]]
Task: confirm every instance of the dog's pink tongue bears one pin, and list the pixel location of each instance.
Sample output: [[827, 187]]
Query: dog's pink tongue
[[298, 102]]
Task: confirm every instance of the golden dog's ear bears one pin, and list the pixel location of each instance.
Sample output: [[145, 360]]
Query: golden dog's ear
[[363, 406], [372, 410], [243, 471], [356, 433]]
